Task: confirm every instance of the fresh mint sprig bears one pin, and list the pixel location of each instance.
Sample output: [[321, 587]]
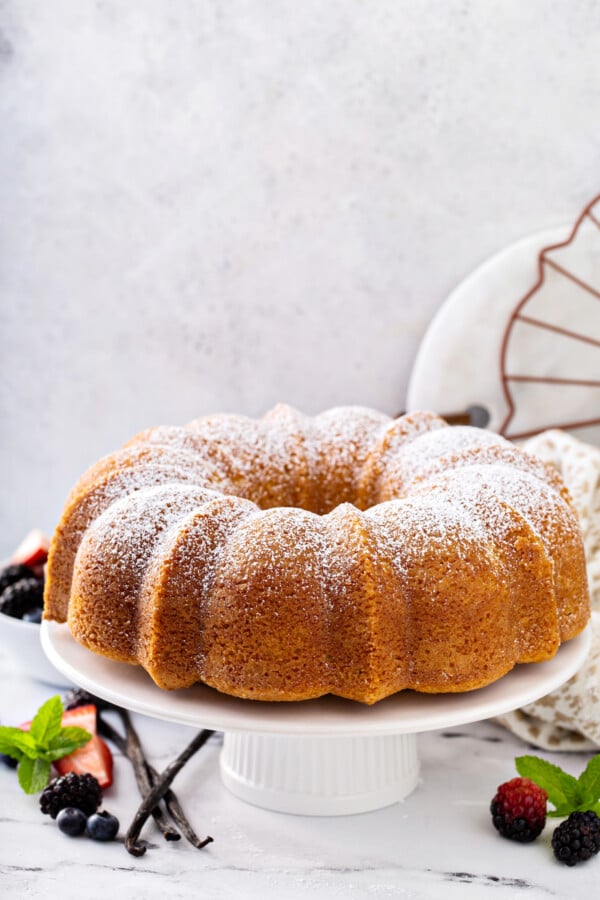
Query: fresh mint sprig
[[44, 742], [567, 793]]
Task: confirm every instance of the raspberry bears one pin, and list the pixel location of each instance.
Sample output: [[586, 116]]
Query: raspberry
[[577, 839], [519, 810]]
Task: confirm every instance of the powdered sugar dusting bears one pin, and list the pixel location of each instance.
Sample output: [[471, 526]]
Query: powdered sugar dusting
[[333, 450], [533, 499], [262, 459], [259, 524], [114, 556], [210, 526], [498, 455], [410, 460], [398, 434], [338, 444], [286, 536], [414, 526], [122, 485], [128, 529]]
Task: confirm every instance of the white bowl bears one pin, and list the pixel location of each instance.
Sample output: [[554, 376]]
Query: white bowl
[[21, 643]]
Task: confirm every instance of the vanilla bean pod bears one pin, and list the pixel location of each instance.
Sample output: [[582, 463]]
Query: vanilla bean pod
[[177, 814], [160, 788], [132, 749], [134, 753], [141, 765]]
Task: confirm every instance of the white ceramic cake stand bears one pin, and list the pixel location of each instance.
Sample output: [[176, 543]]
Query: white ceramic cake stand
[[317, 757]]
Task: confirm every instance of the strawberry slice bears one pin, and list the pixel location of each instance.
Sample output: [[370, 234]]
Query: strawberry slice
[[81, 717], [94, 757], [33, 550]]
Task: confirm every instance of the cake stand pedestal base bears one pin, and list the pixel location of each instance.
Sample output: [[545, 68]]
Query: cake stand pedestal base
[[320, 776]]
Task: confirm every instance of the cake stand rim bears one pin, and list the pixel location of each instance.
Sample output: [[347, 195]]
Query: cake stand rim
[[406, 712]]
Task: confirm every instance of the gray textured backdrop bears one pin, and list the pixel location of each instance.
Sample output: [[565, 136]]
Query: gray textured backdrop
[[217, 205]]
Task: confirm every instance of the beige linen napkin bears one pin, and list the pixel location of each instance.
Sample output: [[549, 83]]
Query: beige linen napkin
[[569, 717]]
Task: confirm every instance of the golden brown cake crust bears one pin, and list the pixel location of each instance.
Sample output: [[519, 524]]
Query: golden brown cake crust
[[288, 557]]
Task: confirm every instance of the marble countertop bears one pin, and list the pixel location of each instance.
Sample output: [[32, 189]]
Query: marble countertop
[[438, 843]]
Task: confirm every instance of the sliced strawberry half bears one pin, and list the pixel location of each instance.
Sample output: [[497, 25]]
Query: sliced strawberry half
[[33, 550], [81, 717], [94, 757]]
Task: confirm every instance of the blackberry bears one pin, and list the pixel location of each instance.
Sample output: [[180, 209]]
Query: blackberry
[[519, 810], [81, 791], [577, 839], [78, 697], [21, 597], [11, 574]]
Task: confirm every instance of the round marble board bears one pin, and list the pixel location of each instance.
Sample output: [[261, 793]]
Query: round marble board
[[520, 337]]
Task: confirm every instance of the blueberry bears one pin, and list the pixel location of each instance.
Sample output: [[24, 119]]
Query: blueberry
[[102, 826], [71, 821], [33, 615]]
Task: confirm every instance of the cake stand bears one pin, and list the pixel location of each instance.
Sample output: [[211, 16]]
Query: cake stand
[[316, 757]]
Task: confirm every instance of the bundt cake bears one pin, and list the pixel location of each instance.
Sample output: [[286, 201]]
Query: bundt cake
[[290, 557]]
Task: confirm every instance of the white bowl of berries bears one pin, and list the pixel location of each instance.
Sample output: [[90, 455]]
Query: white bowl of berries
[[21, 602]]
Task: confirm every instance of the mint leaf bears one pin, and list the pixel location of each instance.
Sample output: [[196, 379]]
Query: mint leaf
[[46, 723], [68, 740], [59, 752], [12, 752], [589, 780], [44, 742], [73, 734], [33, 774], [7, 744], [560, 811], [563, 789], [568, 794], [23, 742]]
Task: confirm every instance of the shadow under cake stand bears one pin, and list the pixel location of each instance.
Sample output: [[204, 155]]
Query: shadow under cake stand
[[316, 757]]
